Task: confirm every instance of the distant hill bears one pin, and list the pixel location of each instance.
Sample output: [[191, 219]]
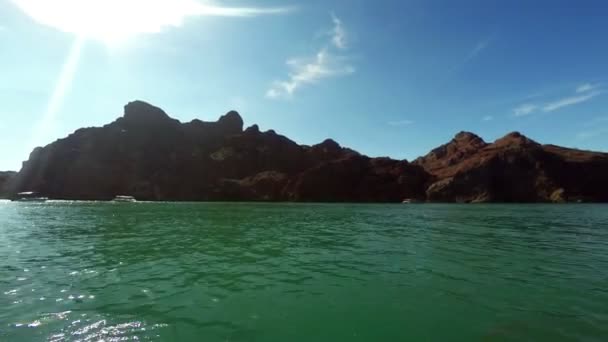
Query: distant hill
[[514, 168], [4, 179], [151, 156]]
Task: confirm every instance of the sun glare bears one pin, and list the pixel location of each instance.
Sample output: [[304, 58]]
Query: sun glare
[[45, 125], [113, 21], [110, 21]]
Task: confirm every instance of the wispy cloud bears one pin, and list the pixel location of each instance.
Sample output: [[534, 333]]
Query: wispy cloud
[[473, 53], [487, 118], [525, 109], [220, 11], [309, 70], [583, 88], [569, 101], [477, 49], [400, 123], [582, 93], [102, 19], [338, 34]]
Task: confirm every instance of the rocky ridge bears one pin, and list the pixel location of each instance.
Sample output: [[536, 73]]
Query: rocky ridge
[[147, 154]]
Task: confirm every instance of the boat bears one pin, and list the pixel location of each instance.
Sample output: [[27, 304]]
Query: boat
[[123, 198], [29, 196], [410, 201]]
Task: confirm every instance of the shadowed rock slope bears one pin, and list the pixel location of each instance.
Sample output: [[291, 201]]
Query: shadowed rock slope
[[151, 156], [148, 155]]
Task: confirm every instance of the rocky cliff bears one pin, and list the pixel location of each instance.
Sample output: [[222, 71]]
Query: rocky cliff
[[151, 156], [514, 168], [148, 155]]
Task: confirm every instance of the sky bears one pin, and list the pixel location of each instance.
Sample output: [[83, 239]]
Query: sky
[[385, 77]]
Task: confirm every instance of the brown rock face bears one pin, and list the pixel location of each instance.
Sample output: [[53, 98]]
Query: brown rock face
[[151, 156], [514, 169], [148, 155], [441, 159], [360, 179]]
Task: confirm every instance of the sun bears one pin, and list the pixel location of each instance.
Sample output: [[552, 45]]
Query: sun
[[114, 21], [109, 21]]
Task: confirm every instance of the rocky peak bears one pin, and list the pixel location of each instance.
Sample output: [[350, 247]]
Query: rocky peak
[[515, 139], [463, 142], [469, 138], [143, 113], [463, 145], [253, 129], [328, 145], [231, 122], [327, 149]]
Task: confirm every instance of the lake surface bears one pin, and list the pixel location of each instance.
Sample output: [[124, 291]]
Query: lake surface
[[302, 272]]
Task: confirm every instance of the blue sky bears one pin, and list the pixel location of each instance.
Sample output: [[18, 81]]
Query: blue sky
[[387, 78]]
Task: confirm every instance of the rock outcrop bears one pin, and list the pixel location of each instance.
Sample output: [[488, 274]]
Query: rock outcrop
[[514, 168], [150, 156], [147, 154]]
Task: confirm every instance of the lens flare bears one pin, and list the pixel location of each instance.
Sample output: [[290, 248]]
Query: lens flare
[[41, 130]]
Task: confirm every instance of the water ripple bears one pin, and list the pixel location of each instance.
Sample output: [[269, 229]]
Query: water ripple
[[274, 272]]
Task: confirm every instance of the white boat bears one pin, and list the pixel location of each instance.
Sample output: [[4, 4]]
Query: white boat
[[29, 196], [122, 198]]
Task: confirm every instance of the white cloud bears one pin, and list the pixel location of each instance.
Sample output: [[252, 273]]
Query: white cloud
[[569, 101], [400, 123], [525, 109], [586, 87], [487, 118], [309, 70], [583, 93], [110, 20], [338, 33]]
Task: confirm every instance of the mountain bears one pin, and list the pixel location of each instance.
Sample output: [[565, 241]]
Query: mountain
[[151, 156], [514, 168]]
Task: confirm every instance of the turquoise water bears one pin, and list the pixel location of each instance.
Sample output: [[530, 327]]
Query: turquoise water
[[303, 272]]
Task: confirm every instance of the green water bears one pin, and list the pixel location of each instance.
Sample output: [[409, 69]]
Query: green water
[[303, 272]]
